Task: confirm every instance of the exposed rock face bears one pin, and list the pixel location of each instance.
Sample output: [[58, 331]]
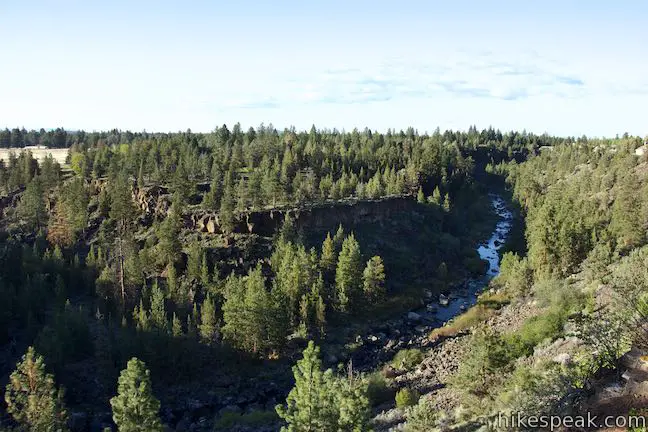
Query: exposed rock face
[[156, 201], [320, 216], [152, 200]]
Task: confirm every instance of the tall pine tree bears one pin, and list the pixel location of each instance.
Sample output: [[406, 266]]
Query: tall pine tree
[[135, 408], [348, 276], [32, 397]]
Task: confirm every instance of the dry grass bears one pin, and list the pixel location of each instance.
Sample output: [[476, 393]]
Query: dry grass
[[39, 154], [470, 318], [485, 308]]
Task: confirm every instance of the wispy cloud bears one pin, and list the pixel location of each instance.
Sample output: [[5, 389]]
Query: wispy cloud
[[482, 76]]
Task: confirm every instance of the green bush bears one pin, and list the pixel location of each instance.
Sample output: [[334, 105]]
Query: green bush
[[406, 397], [534, 330], [407, 359], [422, 417], [378, 391]]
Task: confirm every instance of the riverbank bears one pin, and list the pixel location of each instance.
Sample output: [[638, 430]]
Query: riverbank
[[411, 330], [378, 343]]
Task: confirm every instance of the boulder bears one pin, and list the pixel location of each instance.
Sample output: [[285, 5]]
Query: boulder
[[562, 358], [443, 300], [211, 226]]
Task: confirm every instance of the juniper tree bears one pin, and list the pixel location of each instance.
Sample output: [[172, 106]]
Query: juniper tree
[[135, 408]]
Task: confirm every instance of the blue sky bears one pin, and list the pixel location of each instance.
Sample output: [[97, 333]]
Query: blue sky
[[563, 67]]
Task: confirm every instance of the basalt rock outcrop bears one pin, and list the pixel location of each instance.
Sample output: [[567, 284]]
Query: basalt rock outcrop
[[155, 201], [317, 217]]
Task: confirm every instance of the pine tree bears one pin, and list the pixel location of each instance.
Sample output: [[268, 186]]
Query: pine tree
[[310, 404], [208, 326], [158, 316], [213, 197], [436, 196], [32, 205], [373, 279], [176, 326], [32, 397], [122, 208], [226, 212], [204, 270], [123, 211], [319, 401], [74, 200], [353, 404], [348, 275], [329, 255], [59, 229], [447, 204], [320, 315], [304, 315], [173, 286], [255, 320], [141, 317], [277, 321], [135, 408], [169, 246], [270, 187], [338, 238], [288, 232], [194, 261], [254, 191], [420, 196]]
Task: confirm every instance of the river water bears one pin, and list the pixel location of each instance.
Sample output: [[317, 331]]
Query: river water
[[488, 251], [411, 331]]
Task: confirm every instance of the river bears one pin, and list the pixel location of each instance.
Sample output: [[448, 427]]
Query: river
[[376, 346], [411, 330]]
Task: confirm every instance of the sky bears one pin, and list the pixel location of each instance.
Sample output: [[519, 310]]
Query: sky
[[562, 67]]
